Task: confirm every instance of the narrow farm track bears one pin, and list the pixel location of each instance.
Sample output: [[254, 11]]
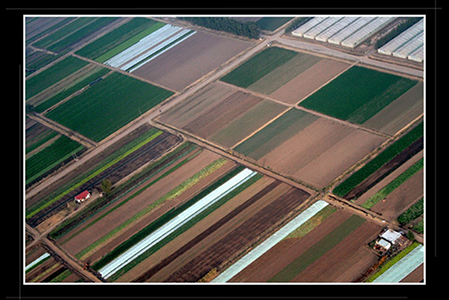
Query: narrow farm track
[[68, 260]]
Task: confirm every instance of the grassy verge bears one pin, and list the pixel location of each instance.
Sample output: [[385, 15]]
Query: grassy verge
[[392, 261]]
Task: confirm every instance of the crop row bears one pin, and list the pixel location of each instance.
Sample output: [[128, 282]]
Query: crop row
[[175, 223], [380, 160], [108, 105]]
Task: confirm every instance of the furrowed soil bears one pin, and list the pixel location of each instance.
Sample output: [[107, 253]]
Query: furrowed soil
[[334, 262], [190, 60], [240, 237], [284, 252]]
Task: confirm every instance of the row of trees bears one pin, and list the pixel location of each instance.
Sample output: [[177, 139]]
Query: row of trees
[[248, 29]]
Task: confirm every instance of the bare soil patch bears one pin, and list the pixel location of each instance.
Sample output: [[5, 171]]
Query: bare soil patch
[[310, 155], [308, 81], [190, 60]]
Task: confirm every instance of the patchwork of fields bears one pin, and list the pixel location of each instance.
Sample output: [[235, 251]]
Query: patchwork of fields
[[224, 185]]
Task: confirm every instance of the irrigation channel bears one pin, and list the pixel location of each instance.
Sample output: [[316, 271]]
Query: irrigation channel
[[175, 223]]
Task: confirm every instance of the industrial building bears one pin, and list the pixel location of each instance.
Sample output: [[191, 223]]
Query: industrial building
[[345, 31], [408, 45]]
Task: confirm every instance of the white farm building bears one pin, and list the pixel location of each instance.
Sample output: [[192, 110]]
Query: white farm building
[[345, 31]]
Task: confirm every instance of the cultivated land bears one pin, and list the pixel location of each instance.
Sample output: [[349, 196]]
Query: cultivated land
[[190, 60], [242, 140]]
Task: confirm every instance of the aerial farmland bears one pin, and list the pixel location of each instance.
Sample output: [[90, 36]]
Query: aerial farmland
[[221, 149]]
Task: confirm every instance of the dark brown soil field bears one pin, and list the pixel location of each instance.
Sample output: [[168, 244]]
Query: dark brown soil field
[[188, 61], [386, 169], [244, 235]]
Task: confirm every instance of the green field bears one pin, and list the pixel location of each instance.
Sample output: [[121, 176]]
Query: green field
[[50, 76], [258, 66], [108, 105], [50, 157], [274, 134], [358, 94]]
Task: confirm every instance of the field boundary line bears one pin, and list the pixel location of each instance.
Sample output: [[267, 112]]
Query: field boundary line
[[125, 73], [327, 82], [228, 153], [345, 123], [262, 127], [63, 130]]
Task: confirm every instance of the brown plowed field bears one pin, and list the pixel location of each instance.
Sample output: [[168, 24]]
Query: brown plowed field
[[220, 115], [311, 155], [308, 81], [335, 261], [284, 252], [416, 275], [401, 198], [244, 235], [190, 60]]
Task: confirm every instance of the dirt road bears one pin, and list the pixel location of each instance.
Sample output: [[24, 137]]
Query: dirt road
[[68, 260]]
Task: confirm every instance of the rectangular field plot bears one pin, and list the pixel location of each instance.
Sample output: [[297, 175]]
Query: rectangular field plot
[[190, 59], [327, 248], [305, 147], [222, 113], [360, 94], [284, 74], [108, 105]]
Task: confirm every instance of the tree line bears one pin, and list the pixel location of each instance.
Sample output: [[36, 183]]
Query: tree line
[[247, 29]]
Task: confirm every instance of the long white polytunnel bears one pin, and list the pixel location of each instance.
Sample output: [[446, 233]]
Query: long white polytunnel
[[270, 242], [175, 223], [36, 261]]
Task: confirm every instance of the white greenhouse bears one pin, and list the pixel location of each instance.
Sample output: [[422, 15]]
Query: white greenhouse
[[328, 22], [347, 31], [334, 29], [364, 32], [401, 39]]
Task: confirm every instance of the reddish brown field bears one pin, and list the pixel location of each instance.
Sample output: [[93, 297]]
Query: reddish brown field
[[188, 61], [416, 276]]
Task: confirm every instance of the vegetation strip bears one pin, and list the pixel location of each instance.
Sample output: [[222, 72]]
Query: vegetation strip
[[380, 160], [95, 207], [390, 263], [175, 223], [394, 184], [271, 242], [154, 225], [318, 249], [92, 175]]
